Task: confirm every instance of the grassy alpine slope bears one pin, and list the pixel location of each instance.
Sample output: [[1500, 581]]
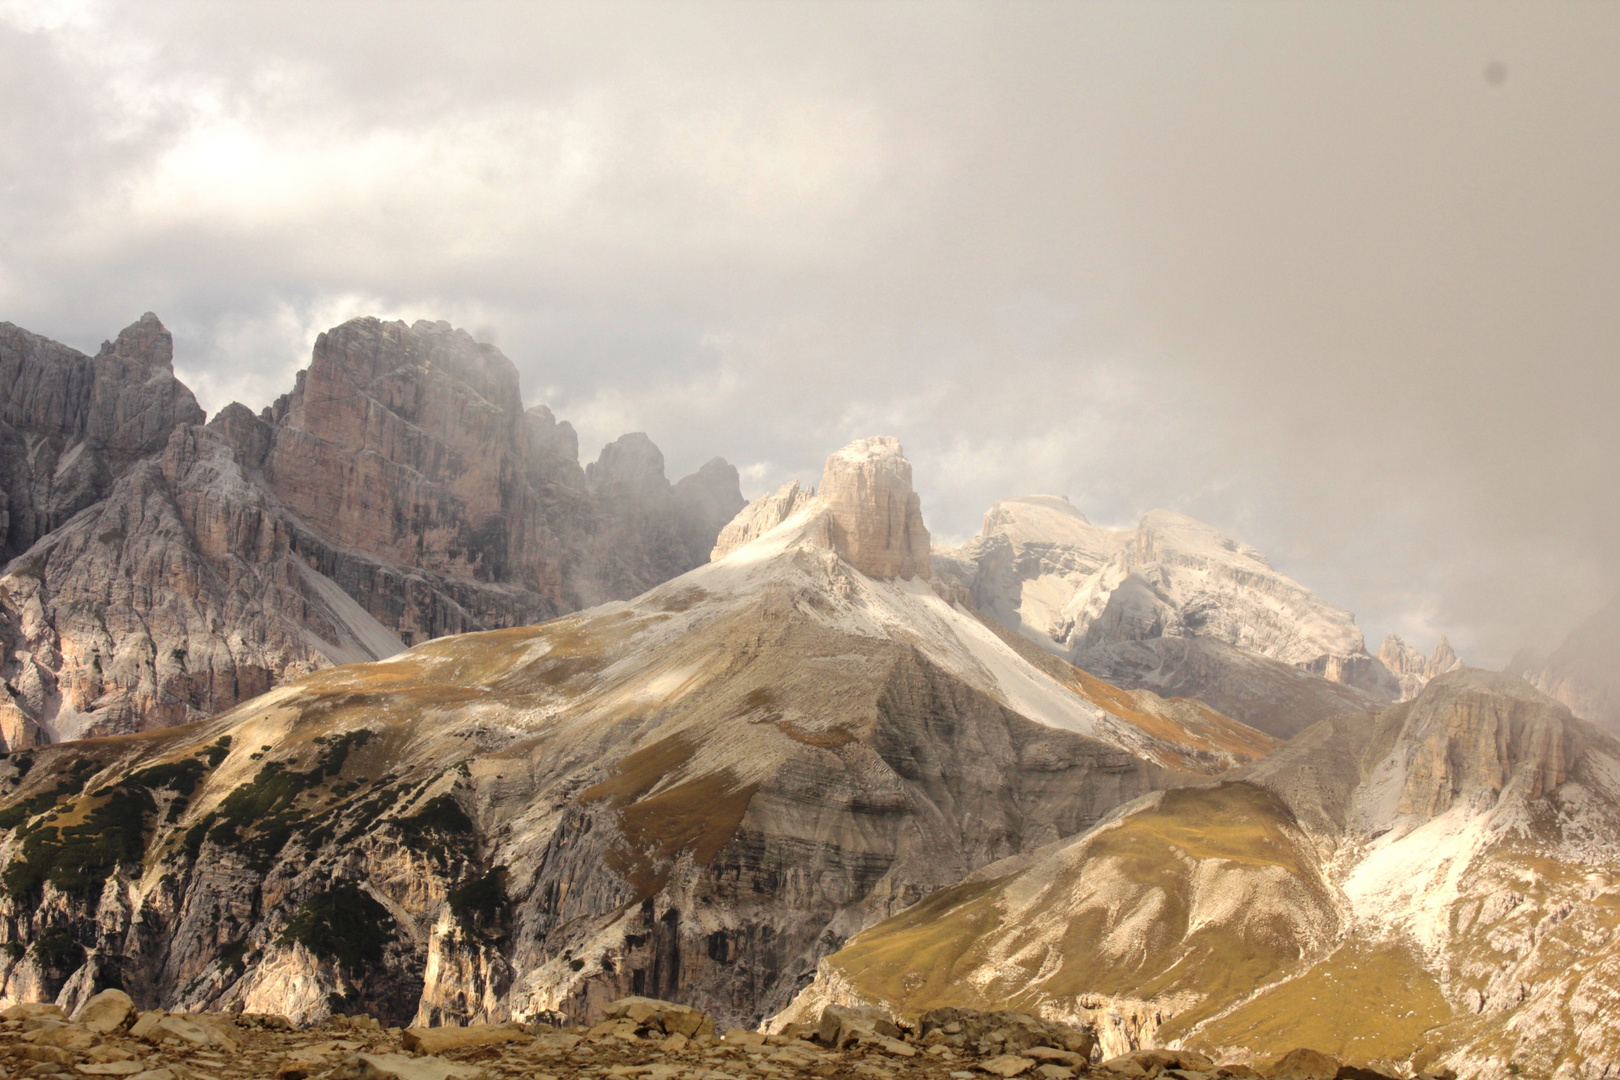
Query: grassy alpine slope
[[1436, 884]]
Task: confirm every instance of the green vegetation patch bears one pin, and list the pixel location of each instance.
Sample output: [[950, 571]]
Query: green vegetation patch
[[1363, 1004], [933, 953], [259, 818], [72, 783], [59, 950], [433, 829], [480, 906], [79, 858], [345, 924]]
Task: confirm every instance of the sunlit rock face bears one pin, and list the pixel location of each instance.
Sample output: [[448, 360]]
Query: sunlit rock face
[[874, 518], [163, 569], [694, 794]]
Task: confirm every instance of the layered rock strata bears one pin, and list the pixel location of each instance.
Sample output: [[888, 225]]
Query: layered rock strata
[[694, 795], [165, 569]]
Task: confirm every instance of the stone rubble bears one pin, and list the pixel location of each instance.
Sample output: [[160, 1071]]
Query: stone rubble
[[638, 1039]]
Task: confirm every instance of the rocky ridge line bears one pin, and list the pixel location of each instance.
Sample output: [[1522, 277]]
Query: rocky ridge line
[[162, 569]]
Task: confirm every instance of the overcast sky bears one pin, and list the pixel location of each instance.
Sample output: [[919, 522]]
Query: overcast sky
[[1343, 280]]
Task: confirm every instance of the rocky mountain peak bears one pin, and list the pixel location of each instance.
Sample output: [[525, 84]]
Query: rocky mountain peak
[[631, 461], [398, 492], [1411, 668], [146, 341], [760, 517], [874, 518], [1470, 736], [1581, 672]]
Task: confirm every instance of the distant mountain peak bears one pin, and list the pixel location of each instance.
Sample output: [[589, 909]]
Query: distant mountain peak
[[866, 509]]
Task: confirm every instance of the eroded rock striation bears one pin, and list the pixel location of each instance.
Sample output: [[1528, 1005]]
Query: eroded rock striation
[[163, 569]]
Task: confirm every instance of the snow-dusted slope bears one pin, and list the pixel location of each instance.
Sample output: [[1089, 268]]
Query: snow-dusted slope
[[1437, 884], [1042, 569]]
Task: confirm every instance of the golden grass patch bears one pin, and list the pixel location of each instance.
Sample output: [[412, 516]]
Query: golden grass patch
[[1362, 1004]]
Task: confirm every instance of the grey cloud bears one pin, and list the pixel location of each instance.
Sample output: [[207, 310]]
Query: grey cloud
[[1300, 271]]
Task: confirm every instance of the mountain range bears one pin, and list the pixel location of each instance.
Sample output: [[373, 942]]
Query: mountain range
[[760, 759], [162, 569]]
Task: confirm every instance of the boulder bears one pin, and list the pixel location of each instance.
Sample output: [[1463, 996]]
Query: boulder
[[66, 1036], [107, 1012], [197, 1030], [1001, 1032], [1007, 1065], [436, 1040], [29, 1010], [1305, 1064], [842, 1025], [650, 1015], [400, 1067]]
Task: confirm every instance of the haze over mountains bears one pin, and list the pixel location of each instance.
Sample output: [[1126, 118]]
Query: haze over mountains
[[161, 569], [789, 754]]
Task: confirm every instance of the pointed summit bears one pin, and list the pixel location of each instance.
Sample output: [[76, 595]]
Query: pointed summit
[[866, 511], [146, 341], [874, 518]]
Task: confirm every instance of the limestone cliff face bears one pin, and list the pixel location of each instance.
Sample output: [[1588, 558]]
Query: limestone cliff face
[[760, 517], [1411, 668], [865, 510], [695, 795], [71, 424], [874, 518], [165, 570]]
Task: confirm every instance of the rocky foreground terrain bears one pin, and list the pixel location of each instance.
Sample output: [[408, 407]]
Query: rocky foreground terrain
[[159, 569], [637, 1037]]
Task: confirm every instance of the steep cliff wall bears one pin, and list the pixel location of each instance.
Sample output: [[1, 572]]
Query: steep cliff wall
[[162, 570]]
